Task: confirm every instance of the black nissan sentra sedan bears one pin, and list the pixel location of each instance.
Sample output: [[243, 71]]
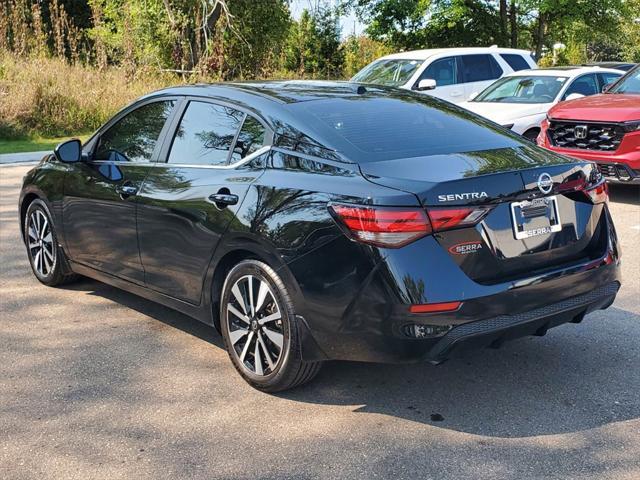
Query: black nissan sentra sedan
[[316, 221]]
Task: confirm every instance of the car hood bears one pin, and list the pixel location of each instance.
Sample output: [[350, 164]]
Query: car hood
[[606, 107], [505, 113]]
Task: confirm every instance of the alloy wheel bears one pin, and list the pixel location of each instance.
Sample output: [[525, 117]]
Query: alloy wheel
[[256, 329], [40, 243]]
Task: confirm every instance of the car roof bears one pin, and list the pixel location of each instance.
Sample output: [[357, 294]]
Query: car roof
[[563, 71], [424, 54], [278, 92]]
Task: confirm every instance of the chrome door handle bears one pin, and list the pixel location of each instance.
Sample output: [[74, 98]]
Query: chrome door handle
[[224, 198], [126, 190]]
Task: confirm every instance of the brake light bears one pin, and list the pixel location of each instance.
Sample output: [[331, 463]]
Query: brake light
[[390, 227], [394, 227], [449, 218], [598, 194]]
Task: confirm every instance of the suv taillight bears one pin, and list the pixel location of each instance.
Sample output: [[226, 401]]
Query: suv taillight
[[394, 227], [599, 193]]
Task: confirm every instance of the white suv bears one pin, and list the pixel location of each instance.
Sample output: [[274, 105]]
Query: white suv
[[452, 74]]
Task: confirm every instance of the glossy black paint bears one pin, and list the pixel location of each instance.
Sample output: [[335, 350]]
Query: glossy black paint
[[155, 228]]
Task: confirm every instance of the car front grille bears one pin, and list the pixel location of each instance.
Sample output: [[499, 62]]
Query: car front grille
[[604, 137]]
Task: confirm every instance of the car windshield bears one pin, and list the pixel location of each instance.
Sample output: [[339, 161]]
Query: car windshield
[[628, 84], [393, 73], [523, 89]]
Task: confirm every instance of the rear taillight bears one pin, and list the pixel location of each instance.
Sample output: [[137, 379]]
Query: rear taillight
[[598, 194], [390, 227], [450, 218], [394, 227]]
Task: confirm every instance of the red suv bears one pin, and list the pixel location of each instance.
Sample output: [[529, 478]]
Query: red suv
[[602, 128]]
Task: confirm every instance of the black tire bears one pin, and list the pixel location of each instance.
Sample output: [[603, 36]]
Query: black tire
[[251, 362], [46, 257]]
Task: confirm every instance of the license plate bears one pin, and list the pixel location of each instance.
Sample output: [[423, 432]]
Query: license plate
[[532, 218]]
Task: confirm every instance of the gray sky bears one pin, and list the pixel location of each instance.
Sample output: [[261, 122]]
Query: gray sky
[[347, 23]]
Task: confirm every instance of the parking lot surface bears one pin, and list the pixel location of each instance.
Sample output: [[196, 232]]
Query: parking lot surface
[[96, 383]]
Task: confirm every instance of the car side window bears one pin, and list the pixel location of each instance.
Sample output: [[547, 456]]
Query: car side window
[[133, 138], [250, 139], [584, 85], [444, 71], [205, 134], [478, 68], [515, 61], [607, 78]]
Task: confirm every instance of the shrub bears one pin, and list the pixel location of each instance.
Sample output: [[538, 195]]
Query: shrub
[[49, 97]]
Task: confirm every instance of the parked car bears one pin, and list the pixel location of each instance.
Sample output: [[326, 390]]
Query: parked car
[[448, 73], [314, 221], [525, 97], [603, 128], [624, 66]]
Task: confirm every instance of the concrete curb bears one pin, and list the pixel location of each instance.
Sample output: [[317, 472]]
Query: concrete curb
[[22, 157]]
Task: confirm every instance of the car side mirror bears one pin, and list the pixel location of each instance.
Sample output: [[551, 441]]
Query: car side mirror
[[69, 151], [426, 84], [473, 95], [574, 96]]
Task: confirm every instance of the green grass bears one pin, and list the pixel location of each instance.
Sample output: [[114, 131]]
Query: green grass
[[34, 144]]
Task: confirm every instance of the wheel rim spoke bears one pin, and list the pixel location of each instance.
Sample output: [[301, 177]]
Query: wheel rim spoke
[[250, 288], [239, 298], [257, 359], [262, 294], [267, 354], [276, 337], [236, 335], [239, 314], [270, 318], [246, 347]]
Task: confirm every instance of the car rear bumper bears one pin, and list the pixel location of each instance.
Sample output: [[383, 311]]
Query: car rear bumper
[[363, 313], [494, 331]]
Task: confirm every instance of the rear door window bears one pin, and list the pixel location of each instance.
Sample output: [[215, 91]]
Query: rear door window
[[515, 61], [250, 139], [478, 68], [607, 78], [205, 134], [444, 71], [584, 85]]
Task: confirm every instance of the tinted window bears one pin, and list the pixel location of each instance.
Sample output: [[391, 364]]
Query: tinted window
[[387, 72], [477, 68], [443, 71], [607, 78], [205, 134], [522, 89], [383, 128], [515, 61], [250, 139], [585, 85], [133, 138], [629, 84]]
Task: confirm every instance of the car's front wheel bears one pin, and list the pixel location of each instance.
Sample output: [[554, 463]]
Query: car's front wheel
[[45, 255], [259, 327]]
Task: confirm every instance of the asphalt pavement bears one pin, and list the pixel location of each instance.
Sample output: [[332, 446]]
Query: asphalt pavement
[[96, 383]]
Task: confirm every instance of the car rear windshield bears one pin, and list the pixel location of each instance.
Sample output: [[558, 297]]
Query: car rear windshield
[[393, 73], [369, 129]]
